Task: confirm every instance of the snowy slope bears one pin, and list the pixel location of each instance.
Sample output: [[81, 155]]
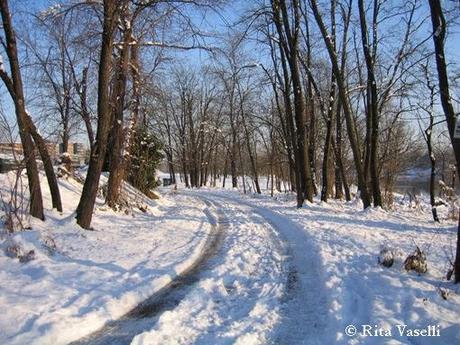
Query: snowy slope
[[328, 281], [93, 276], [359, 291]]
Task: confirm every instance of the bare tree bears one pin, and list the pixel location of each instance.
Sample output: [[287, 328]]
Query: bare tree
[[343, 94], [428, 110], [27, 128], [88, 198], [439, 35], [372, 104], [117, 137], [288, 36]]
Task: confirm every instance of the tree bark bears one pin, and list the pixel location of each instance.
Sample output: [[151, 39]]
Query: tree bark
[[330, 118], [117, 136], [311, 111], [36, 201], [47, 165], [88, 198], [439, 32], [372, 106], [135, 109], [351, 127]]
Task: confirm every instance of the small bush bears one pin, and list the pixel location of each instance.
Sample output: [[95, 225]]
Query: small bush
[[49, 244], [145, 158], [14, 250], [27, 257], [416, 262], [386, 257]]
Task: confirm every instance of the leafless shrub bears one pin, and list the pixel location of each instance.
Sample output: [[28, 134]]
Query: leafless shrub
[[388, 200], [415, 201], [416, 262], [450, 262], [27, 257], [15, 251], [450, 200], [13, 196], [386, 257], [78, 177], [444, 293], [65, 169], [49, 244], [15, 204]]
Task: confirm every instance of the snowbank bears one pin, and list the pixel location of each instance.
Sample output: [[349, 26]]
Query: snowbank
[[93, 276], [362, 293]]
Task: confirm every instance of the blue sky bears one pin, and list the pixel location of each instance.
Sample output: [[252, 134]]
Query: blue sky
[[213, 20], [233, 9]]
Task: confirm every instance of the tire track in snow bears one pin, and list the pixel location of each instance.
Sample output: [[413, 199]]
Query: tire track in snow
[[305, 306], [237, 301], [141, 318]]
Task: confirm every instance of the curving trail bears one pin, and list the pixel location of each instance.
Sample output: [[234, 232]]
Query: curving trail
[[304, 306], [258, 282], [123, 330]]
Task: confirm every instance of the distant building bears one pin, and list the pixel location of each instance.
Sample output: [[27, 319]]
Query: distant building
[[51, 147], [77, 151], [10, 148]]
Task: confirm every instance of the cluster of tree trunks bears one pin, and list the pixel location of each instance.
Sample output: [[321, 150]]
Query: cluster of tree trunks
[[30, 138], [194, 144]]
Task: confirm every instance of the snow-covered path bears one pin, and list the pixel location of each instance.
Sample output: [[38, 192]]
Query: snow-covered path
[[264, 286], [123, 330], [304, 304], [93, 277]]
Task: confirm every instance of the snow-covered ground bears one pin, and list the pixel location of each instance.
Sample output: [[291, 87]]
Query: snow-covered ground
[[359, 291], [281, 275], [93, 276], [238, 297]]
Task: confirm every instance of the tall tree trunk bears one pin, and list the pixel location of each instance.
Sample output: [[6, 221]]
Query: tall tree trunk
[[351, 126], [184, 168], [135, 109], [233, 149], [299, 100], [47, 165], [432, 172], [372, 105], [117, 136], [85, 113], [312, 133], [65, 138], [328, 141], [252, 158], [289, 44], [36, 201], [439, 34], [88, 198], [224, 172], [330, 118], [233, 168], [338, 154]]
